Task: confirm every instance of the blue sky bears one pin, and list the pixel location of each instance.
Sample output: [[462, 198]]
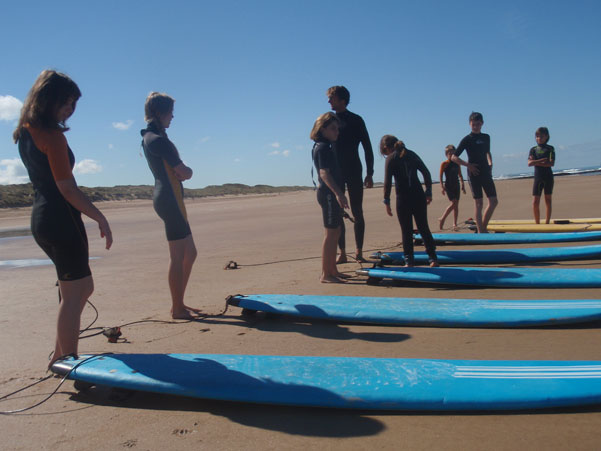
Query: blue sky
[[249, 79]]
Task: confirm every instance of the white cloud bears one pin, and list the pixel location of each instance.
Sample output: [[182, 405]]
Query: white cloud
[[284, 153], [111, 147], [10, 108], [123, 125], [275, 144], [205, 139], [237, 160], [513, 156], [87, 167], [12, 172]]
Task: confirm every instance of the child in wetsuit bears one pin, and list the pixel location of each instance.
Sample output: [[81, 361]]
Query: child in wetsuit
[[542, 157], [451, 171], [411, 200], [330, 196]]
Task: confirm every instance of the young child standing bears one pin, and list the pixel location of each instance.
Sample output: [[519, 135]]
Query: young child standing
[[542, 157], [479, 168], [450, 171], [330, 196], [411, 200]]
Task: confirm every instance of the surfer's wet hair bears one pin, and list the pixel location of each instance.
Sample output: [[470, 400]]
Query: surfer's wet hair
[[542, 131], [156, 105], [50, 91], [475, 116], [322, 121], [341, 92], [391, 142]]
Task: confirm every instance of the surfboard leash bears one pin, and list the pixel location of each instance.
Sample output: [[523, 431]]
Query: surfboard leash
[[45, 378]]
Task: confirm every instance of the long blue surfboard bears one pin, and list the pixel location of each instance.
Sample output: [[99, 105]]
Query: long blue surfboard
[[493, 277], [498, 256], [513, 238], [348, 382], [423, 311]]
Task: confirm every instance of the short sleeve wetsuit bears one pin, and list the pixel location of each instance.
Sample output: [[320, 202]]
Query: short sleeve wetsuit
[[324, 157], [410, 198], [55, 224], [353, 132], [452, 174], [543, 176], [477, 146], [168, 197]]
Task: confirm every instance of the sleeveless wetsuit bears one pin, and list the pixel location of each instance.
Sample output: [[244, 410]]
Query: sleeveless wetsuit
[[168, 196], [452, 174], [324, 157], [352, 133], [410, 198], [543, 176], [55, 224], [477, 146]]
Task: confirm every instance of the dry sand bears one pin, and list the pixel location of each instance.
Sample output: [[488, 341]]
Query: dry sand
[[277, 241]]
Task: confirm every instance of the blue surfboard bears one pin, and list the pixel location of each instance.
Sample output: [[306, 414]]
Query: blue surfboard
[[493, 277], [498, 256], [348, 382], [423, 311], [513, 238]]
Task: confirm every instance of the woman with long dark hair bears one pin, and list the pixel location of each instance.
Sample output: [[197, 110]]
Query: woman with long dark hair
[[56, 221]]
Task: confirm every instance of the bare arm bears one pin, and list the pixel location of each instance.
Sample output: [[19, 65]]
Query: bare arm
[[327, 178], [79, 200], [472, 168], [182, 172]]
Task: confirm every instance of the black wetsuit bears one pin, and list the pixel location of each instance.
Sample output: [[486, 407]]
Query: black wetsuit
[[352, 132], [451, 171], [410, 198], [543, 176], [477, 146], [324, 157], [168, 197], [55, 224]]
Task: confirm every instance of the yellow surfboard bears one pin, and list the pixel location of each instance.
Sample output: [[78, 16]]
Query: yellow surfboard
[[553, 221], [537, 228]]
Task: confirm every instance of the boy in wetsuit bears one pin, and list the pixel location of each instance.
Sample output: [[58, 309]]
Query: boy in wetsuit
[[542, 157], [479, 168], [352, 132]]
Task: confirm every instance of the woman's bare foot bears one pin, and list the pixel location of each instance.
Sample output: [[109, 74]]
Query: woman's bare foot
[[331, 279], [185, 313], [441, 223], [408, 265], [455, 228], [434, 264]]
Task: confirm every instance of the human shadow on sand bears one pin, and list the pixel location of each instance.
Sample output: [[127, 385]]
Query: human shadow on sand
[[266, 380]]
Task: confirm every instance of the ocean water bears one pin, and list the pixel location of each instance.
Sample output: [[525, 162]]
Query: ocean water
[[591, 170]]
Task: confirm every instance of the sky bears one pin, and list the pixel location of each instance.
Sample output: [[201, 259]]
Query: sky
[[249, 79]]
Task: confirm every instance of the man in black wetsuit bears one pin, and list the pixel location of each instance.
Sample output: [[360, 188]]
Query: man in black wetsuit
[[352, 132]]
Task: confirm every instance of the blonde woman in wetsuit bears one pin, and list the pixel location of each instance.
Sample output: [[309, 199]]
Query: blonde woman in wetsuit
[[56, 221], [168, 199]]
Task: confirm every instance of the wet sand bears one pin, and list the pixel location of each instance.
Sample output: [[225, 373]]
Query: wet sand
[[276, 240]]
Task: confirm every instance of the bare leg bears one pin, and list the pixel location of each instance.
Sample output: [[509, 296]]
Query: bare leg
[[74, 296], [329, 271], [478, 215], [548, 204], [455, 213], [451, 208], [536, 209], [182, 256], [490, 208]]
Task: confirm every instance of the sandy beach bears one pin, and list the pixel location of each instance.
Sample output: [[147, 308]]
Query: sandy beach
[[276, 241]]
